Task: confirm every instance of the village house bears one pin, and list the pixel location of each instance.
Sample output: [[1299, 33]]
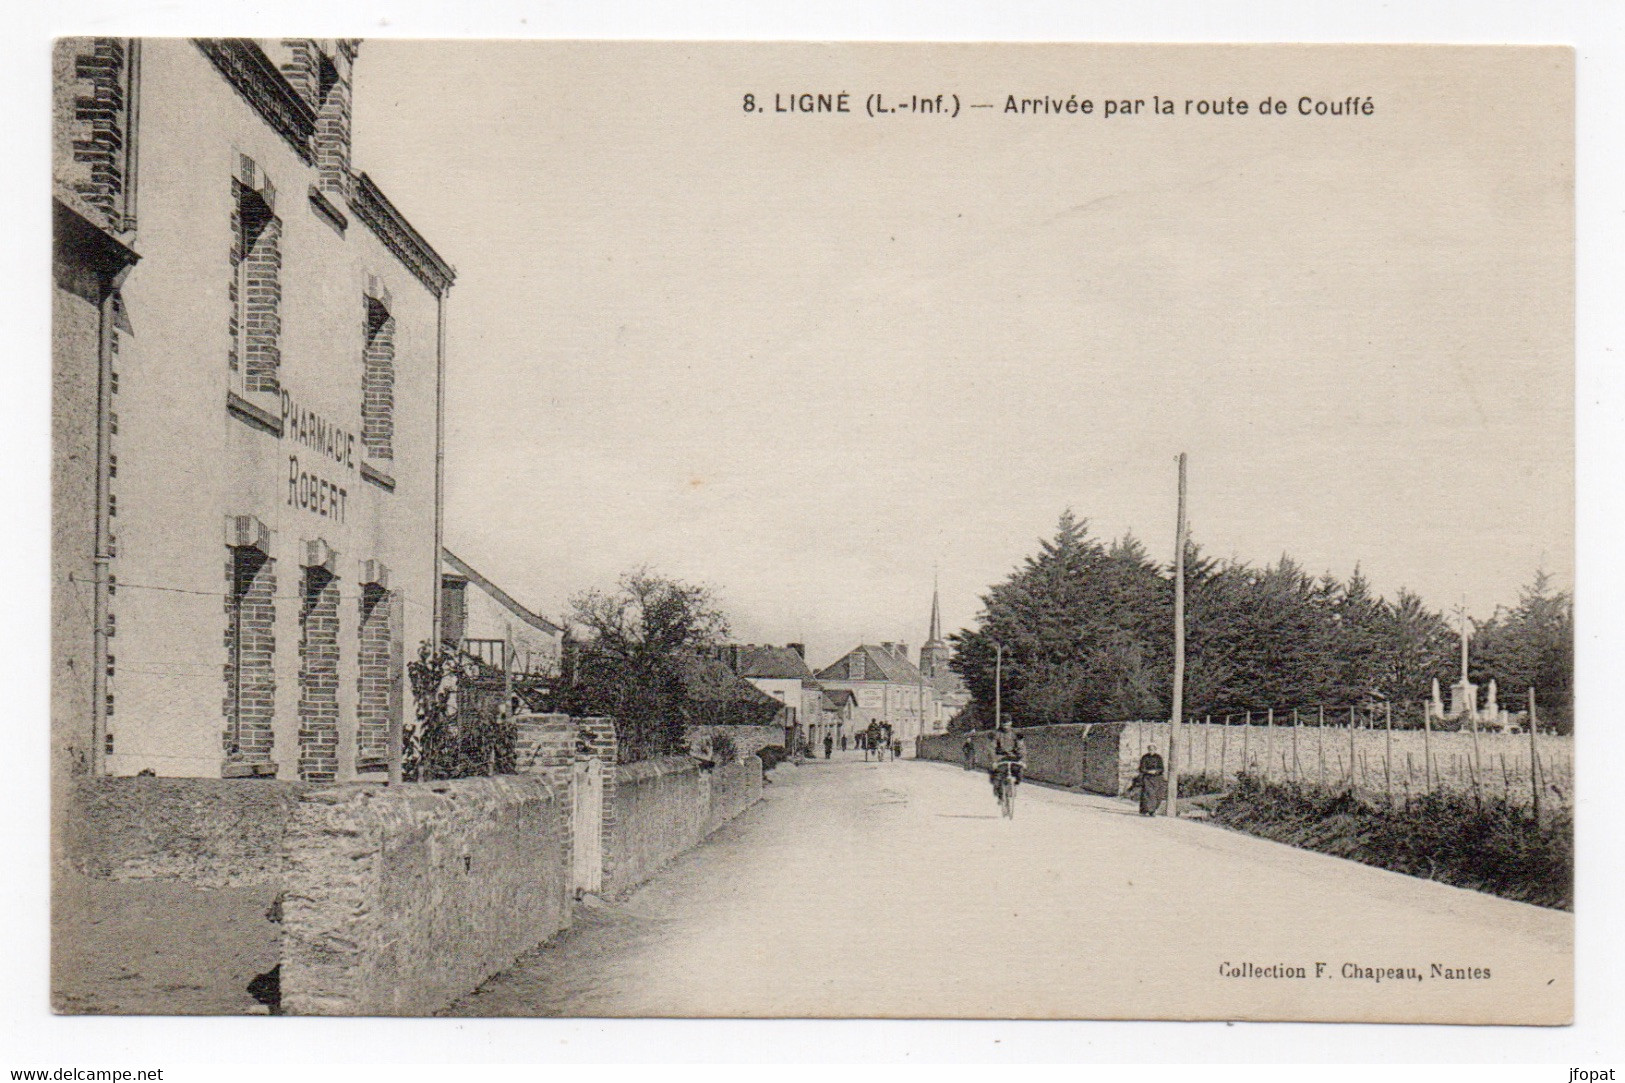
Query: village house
[[481, 619], [782, 673], [888, 688], [248, 356]]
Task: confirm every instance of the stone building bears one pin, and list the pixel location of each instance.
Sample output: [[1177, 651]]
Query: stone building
[[889, 689], [248, 371]]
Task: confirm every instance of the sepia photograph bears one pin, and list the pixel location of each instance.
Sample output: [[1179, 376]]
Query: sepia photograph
[[747, 530]]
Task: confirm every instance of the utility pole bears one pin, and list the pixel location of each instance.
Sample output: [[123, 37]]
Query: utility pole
[[998, 685], [1179, 648]]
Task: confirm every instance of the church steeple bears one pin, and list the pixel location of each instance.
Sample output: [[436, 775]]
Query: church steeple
[[934, 654]]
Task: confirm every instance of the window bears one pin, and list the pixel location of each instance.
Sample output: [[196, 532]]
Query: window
[[250, 655], [378, 375], [256, 283]]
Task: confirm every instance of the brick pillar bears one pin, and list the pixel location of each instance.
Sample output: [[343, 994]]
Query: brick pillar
[[250, 643], [319, 678], [373, 680], [545, 745], [598, 741]]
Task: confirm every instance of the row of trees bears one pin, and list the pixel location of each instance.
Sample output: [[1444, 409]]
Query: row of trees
[[1087, 627]]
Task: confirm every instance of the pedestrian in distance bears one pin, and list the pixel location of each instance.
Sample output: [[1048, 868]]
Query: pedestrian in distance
[[970, 754], [1151, 782], [829, 745]]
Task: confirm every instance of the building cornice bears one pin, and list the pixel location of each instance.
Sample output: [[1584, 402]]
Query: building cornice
[[392, 228], [251, 73]]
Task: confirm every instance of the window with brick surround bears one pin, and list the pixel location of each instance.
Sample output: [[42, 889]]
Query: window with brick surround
[[319, 677], [373, 683], [378, 380], [255, 290], [250, 655]]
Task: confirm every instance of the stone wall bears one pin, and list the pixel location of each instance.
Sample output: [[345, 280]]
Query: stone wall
[[662, 808], [211, 833], [747, 739], [667, 806], [400, 899], [735, 787], [393, 900], [1089, 757]]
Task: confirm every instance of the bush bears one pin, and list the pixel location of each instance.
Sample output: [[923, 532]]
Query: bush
[[462, 729], [1203, 782], [1496, 847], [771, 756], [724, 749]]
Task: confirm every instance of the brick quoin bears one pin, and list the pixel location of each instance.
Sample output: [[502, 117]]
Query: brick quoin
[[373, 682], [319, 678], [250, 695], [100, 115], [378, 382]]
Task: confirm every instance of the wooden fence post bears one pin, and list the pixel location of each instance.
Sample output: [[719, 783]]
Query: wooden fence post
[[1388, 751], [1247, 743], [1351, 746], [1474, 764], [1207, 740], [1224, 751], [1320, 742], [1297, 768], [1269, 743], [1427, 747], [1534, 758]]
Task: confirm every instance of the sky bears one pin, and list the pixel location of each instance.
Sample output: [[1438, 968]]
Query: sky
[[813, 361]]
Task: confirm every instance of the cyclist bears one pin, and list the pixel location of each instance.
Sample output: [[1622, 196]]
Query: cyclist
[[1009, 755]]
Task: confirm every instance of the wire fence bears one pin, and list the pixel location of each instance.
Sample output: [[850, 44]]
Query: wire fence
[[1368, 750]]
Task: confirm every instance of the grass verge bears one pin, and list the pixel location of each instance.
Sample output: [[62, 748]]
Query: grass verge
[[1498, 848]]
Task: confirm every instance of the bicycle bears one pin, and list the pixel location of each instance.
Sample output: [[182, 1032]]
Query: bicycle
[[1006, 778]]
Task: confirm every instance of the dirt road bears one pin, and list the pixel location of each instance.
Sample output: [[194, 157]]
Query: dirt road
[[895, 890]]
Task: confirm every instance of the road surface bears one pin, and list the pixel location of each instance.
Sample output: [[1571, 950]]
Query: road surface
[[894, 890]]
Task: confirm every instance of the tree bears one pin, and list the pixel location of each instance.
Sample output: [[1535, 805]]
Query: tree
[[1087, 633], [1531, 646], [638, 658], [1076, 623], [1414, 646]]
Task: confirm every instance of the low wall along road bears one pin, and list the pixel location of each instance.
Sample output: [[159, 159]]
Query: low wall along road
[[1098, 758], [399, 899], [667, 806], [377, 900]]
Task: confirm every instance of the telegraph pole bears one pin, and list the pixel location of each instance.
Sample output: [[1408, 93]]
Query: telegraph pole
[[998, 684], [1179, 648]]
